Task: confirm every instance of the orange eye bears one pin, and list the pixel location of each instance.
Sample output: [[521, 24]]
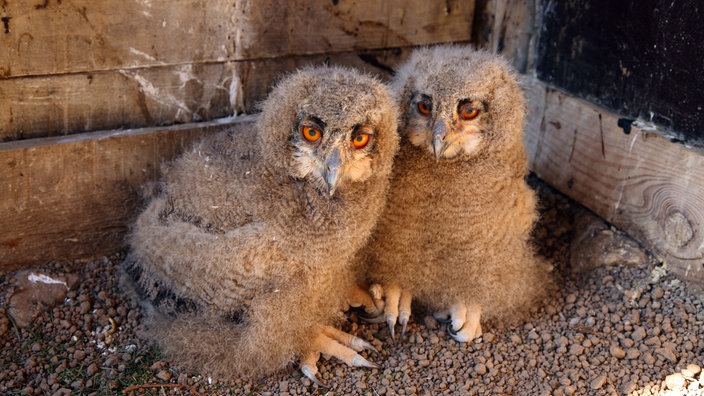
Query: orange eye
[[425, 107], [361, 140], [310, 134], [468, 112]]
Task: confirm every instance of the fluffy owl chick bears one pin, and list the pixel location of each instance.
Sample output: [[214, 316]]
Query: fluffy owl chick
[[244, 254], [455, 232]]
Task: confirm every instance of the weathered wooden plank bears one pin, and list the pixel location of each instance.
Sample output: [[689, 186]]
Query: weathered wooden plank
[[273, 28], [508, 27], [58, 37], [74, 103], [628, 174], [70, 103], [74, 196]]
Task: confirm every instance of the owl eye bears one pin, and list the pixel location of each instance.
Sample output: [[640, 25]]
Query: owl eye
[[467, 111], [361, 141], [425, 107], [310, 133], [361, 137]]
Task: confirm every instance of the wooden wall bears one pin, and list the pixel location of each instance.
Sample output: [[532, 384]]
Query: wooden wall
[[79, 65], [77, 75]]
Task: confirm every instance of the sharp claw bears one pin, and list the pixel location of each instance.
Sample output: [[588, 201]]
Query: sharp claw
[[358, 344], [403, 330], [312, 374], [403, 320], [392, 323], [359, 361]]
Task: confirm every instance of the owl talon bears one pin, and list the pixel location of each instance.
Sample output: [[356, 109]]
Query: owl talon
[[311, 372], [391, 322], [359, 361], [403, 329], [404, 309]]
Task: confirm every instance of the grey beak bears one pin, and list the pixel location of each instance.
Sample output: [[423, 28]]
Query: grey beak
[[440, 143], [332, 173]]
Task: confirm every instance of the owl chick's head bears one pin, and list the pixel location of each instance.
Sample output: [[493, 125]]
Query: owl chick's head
[[457, 102], [329, 126]]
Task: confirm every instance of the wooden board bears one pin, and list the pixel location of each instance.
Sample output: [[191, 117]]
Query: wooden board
[[71, 103], [273, 28], [509, 28], [74, 196], [626, 173], [77, 66], [57, 37]]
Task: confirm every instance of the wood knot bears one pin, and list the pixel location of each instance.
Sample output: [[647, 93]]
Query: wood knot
[[678, 229]]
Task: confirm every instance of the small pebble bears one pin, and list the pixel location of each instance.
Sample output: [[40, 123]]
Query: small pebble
[[675, 381], [691, 370], [638, 334], [598, 382], [617, 352], [164, 375], [667, 354], [576, 350], [92, 369], [632, 353], [480, 369]]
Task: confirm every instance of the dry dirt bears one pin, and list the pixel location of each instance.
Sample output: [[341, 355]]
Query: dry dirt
[[620, 324]]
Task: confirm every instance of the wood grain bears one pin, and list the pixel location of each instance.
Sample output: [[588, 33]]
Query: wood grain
[[77, 66], [74, 103], [273, 28], [88, 36], [75, 196], [80, 102], [509, 28], [632, 177]]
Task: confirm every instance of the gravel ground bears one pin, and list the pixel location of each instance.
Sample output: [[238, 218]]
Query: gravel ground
[[629, 328]]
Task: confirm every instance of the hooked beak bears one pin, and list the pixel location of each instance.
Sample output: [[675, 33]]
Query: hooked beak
[[332, 172], [440, 142]]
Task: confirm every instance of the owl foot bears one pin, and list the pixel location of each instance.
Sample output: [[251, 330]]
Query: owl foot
[[397, 307], [463, 323], [368, 309], [337, 343]]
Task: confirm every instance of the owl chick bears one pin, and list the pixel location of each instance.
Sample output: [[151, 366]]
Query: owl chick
[[455, 232], [244, 253]]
